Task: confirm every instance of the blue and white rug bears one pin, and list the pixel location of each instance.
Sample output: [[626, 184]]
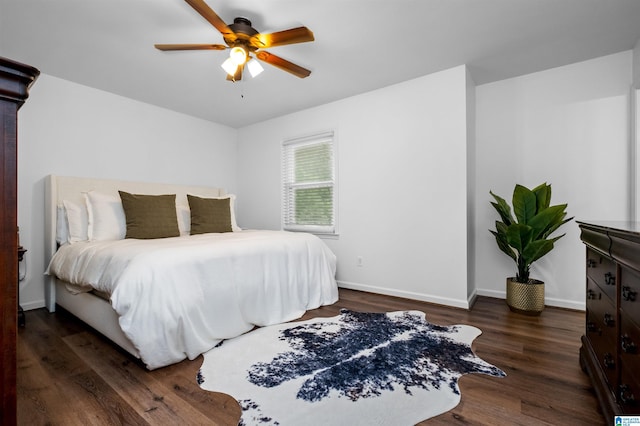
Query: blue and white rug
[[355, 368]]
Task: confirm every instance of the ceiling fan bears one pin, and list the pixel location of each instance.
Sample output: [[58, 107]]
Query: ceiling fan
[[243, 40]]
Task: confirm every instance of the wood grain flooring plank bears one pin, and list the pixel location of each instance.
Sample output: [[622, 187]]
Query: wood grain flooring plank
[[215, 405], [36, 390], [153, 401], [58, 388]]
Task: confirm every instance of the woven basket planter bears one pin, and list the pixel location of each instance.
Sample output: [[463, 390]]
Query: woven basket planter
[[526, 298]]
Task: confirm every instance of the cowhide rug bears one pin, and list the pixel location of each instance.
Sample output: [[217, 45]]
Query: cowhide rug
[[355, 368]]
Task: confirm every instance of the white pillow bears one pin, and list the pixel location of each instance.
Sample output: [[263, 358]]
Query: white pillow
[[106, 217], [232, 206], [77, 222], [62, 229], [184, 220]]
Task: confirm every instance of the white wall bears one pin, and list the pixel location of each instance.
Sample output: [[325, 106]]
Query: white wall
[[73, 130], [636, 65], [402, 173], [471, 185], [635, 136], [569, 127]]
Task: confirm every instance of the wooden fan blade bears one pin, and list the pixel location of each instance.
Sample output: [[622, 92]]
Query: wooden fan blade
[[294, 35], [190, 46], [207, 13], [283, 64]]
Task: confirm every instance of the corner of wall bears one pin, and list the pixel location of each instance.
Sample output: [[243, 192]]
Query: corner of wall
[[634, 161], [636, 65], [470, 92]]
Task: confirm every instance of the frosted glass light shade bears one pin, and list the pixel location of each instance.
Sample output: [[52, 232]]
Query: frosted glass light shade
[[229, 66], [254, 67]]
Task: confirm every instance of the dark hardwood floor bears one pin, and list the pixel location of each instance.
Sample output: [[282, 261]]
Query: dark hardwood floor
[[70, 375]]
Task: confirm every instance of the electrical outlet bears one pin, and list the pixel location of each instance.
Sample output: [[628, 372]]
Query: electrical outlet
[[359, 261]]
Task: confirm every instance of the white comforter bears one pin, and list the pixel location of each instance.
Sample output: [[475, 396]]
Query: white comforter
[[179, 297]]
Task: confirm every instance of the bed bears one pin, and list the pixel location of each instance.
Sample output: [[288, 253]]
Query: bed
[[166, 292]]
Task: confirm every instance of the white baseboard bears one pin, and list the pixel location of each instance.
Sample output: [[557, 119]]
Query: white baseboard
[[548, 301], [492, 293], [32, 305], [567, 304], [457, 303], [472, 299]]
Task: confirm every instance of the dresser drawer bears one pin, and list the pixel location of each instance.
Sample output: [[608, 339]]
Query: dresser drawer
[[629, 293], [601, 307], [603, 341], [630, 344], [628, 392], [602, 270]]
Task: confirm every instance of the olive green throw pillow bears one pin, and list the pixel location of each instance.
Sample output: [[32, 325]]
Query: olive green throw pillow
[[209, 214], [150, 216]]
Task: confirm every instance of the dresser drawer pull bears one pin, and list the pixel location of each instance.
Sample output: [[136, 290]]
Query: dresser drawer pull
[[609, 279], [626, 395], [628, 345], [609, 321], [628, 294], [591, 263], [608, 361]]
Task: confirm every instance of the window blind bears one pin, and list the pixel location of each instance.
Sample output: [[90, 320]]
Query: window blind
[[308, 175]]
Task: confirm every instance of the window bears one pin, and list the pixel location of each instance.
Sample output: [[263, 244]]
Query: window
[[308, 184]]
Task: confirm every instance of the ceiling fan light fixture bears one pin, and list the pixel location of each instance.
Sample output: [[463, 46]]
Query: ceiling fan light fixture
[[238, 55], [254, 67], [229, 66], [243, 40]]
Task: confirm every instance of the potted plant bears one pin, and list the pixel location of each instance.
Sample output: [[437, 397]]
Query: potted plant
[[525, 238]]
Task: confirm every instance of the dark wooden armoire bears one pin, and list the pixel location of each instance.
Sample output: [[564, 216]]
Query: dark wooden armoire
[[15, 80]]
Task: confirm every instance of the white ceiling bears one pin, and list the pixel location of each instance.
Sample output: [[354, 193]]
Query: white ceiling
[[360, 45]]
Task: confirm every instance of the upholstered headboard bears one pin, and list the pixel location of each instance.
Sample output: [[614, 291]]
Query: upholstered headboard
[[60, 188]]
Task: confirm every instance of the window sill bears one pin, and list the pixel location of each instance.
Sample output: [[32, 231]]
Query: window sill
[[328, 236], [322, 235]]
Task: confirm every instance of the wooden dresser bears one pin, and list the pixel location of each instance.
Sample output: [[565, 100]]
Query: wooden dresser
[[15, 80], [610, 352]]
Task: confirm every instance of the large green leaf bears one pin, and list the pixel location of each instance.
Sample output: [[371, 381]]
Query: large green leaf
[[543, 196], [503, 209], [524, 204], [501, 239], [547, 219], [536, 250], [519, 236], [557, 225]]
